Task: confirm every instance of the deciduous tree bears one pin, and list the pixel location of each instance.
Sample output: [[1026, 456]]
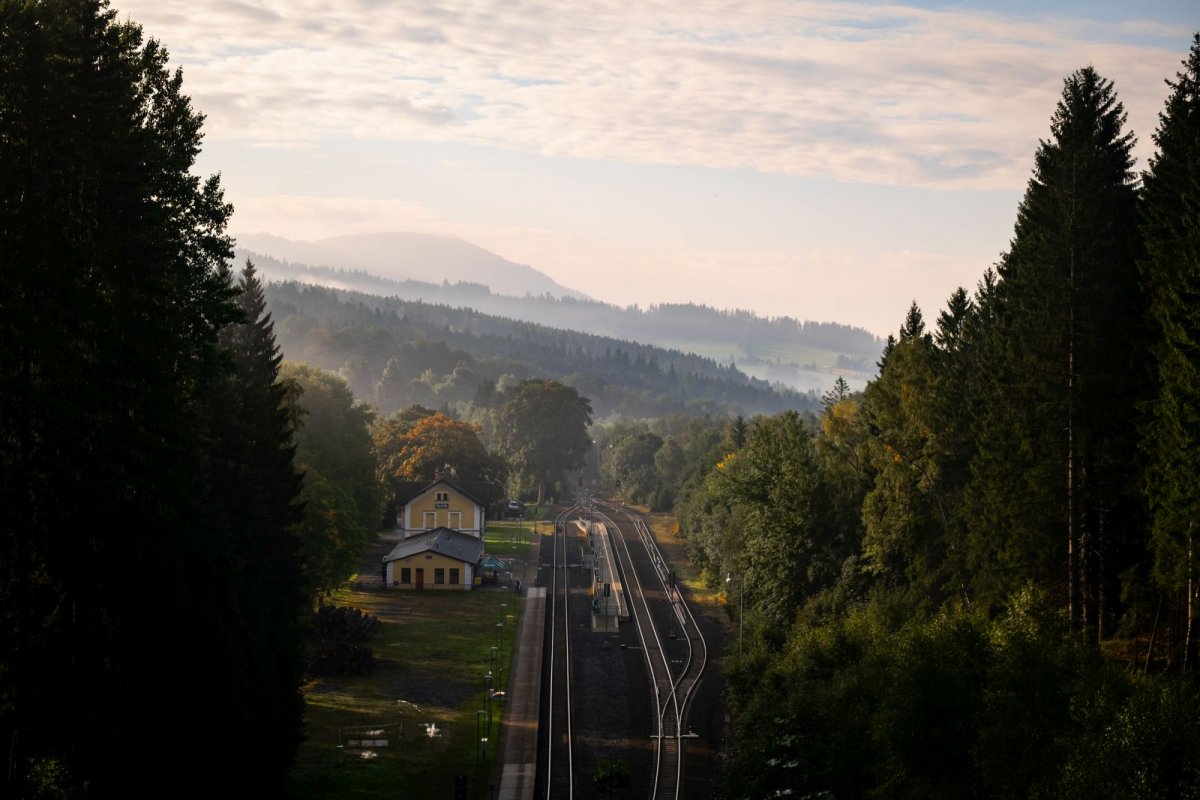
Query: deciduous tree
[[543, 430], [408, 450], [343, 501]]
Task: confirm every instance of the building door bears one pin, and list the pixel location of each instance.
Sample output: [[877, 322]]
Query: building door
[[420, 578]]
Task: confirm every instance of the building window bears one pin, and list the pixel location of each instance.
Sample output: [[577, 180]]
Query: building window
[[454, 576], [405, 575], [439, 575], [429, 520], [442, 497], [454, 520]]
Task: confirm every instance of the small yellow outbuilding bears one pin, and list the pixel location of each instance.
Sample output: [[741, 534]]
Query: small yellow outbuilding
[[438, 559]]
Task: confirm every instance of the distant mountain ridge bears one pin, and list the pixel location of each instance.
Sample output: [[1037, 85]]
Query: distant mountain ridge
[[805, 356], [401, 255], [399, 352]]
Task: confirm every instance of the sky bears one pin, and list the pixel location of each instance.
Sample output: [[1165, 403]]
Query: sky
[[829, 161]]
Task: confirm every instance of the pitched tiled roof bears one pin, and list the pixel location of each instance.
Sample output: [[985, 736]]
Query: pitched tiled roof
[[464, 488], [459, 546], [407, 490]]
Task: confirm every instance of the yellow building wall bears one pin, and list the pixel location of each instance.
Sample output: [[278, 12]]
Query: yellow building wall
[[430, 562], [470, 515]]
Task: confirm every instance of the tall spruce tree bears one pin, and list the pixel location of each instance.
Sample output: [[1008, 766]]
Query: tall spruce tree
[[1055, 469], [129, 636], [1171, 269], [953, 409], [904, 514], [392, 388], [256, 490]]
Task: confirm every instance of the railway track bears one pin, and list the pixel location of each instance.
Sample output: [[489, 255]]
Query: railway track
[[676, 654], [558, 778]]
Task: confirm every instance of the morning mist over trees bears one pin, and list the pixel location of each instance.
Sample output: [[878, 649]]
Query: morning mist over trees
[[891, 347]]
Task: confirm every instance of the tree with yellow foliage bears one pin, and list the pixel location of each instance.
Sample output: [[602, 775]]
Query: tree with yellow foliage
[[417, 450]]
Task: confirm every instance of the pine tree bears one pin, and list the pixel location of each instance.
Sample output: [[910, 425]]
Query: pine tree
[[126, 588], [887, 351], [904, 513], [839, 392], [953, 411], [737, 432], [256, 488], [1054, 470], [914, 323], [1171, 270], [951, 322], [392, 388]]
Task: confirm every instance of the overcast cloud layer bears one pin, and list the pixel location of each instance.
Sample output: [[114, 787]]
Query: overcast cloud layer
[[877, 93], [845, 93]]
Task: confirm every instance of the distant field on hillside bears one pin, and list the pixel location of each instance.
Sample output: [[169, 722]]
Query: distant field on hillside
[[802, 367]]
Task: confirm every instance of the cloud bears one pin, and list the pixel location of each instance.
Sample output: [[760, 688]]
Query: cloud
[[306, 218], [857, 92]]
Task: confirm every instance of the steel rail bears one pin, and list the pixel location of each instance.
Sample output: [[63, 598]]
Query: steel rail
[[682, 684], [560, 523], [663, 681], [664, 573]]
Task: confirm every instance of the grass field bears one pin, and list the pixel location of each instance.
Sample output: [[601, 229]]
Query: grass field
[[508, 539], [432, 653]]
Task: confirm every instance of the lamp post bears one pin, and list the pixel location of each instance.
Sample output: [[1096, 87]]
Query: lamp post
[[500, 626], [489, 701], [497, 669], [478, 738], [741, 597], [480, 751]]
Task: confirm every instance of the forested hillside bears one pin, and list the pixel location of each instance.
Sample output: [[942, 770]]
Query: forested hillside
[[397, 353], [977, 577], [805, 355]]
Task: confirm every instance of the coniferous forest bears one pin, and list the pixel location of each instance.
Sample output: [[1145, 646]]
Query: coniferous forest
[[400, 352], [978, 576], [150, 582]]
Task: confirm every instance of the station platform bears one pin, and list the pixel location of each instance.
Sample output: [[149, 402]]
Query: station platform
[[611, 608], [515, 770]]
